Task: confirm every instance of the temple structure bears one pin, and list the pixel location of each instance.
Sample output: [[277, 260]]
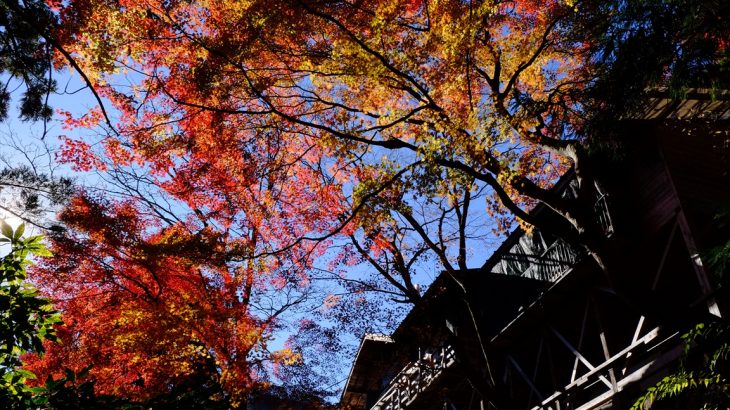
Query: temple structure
[[557, 331]]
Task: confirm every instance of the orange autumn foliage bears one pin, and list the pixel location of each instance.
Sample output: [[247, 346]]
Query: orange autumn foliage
[[271, 126], [152, 307]]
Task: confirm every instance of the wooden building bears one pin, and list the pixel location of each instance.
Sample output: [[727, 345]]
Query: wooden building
[[559, 334]]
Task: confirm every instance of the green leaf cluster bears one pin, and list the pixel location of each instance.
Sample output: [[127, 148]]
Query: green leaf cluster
[[703, 377], [718, 257], [75, 391], [26, 319], [702, 380]]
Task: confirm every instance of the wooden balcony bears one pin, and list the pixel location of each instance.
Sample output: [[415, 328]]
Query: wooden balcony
[[534, 256], [415, 378], [542, 257]]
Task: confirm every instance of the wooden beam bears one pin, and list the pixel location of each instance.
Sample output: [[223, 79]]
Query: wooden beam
[[604, 344], [644, 340], [524, 376], [580, 339], [637, 333], [553, 376], [537, 363], [665, 253], [637, 375], [579, 356], [689, 241]]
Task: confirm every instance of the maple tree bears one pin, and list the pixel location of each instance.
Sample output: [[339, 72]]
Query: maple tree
[[264, 109], [154, 308], [276, 126], [349, 83]]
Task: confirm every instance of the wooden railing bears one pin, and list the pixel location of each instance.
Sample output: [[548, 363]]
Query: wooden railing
[[414, 378], [604, 217], [618, 369], [550, 265], [555, 260]]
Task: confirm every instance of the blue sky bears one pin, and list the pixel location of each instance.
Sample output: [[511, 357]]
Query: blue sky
[[74, 97]]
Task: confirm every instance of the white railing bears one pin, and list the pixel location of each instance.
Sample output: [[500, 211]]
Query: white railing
[[557, 259], [604, 217], [553, 263], [624, 373], [414, 378]]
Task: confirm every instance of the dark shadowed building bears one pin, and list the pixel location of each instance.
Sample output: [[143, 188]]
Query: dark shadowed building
[[559, 333]]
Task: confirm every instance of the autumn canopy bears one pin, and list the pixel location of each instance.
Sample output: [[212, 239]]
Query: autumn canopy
[[241, 143]]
